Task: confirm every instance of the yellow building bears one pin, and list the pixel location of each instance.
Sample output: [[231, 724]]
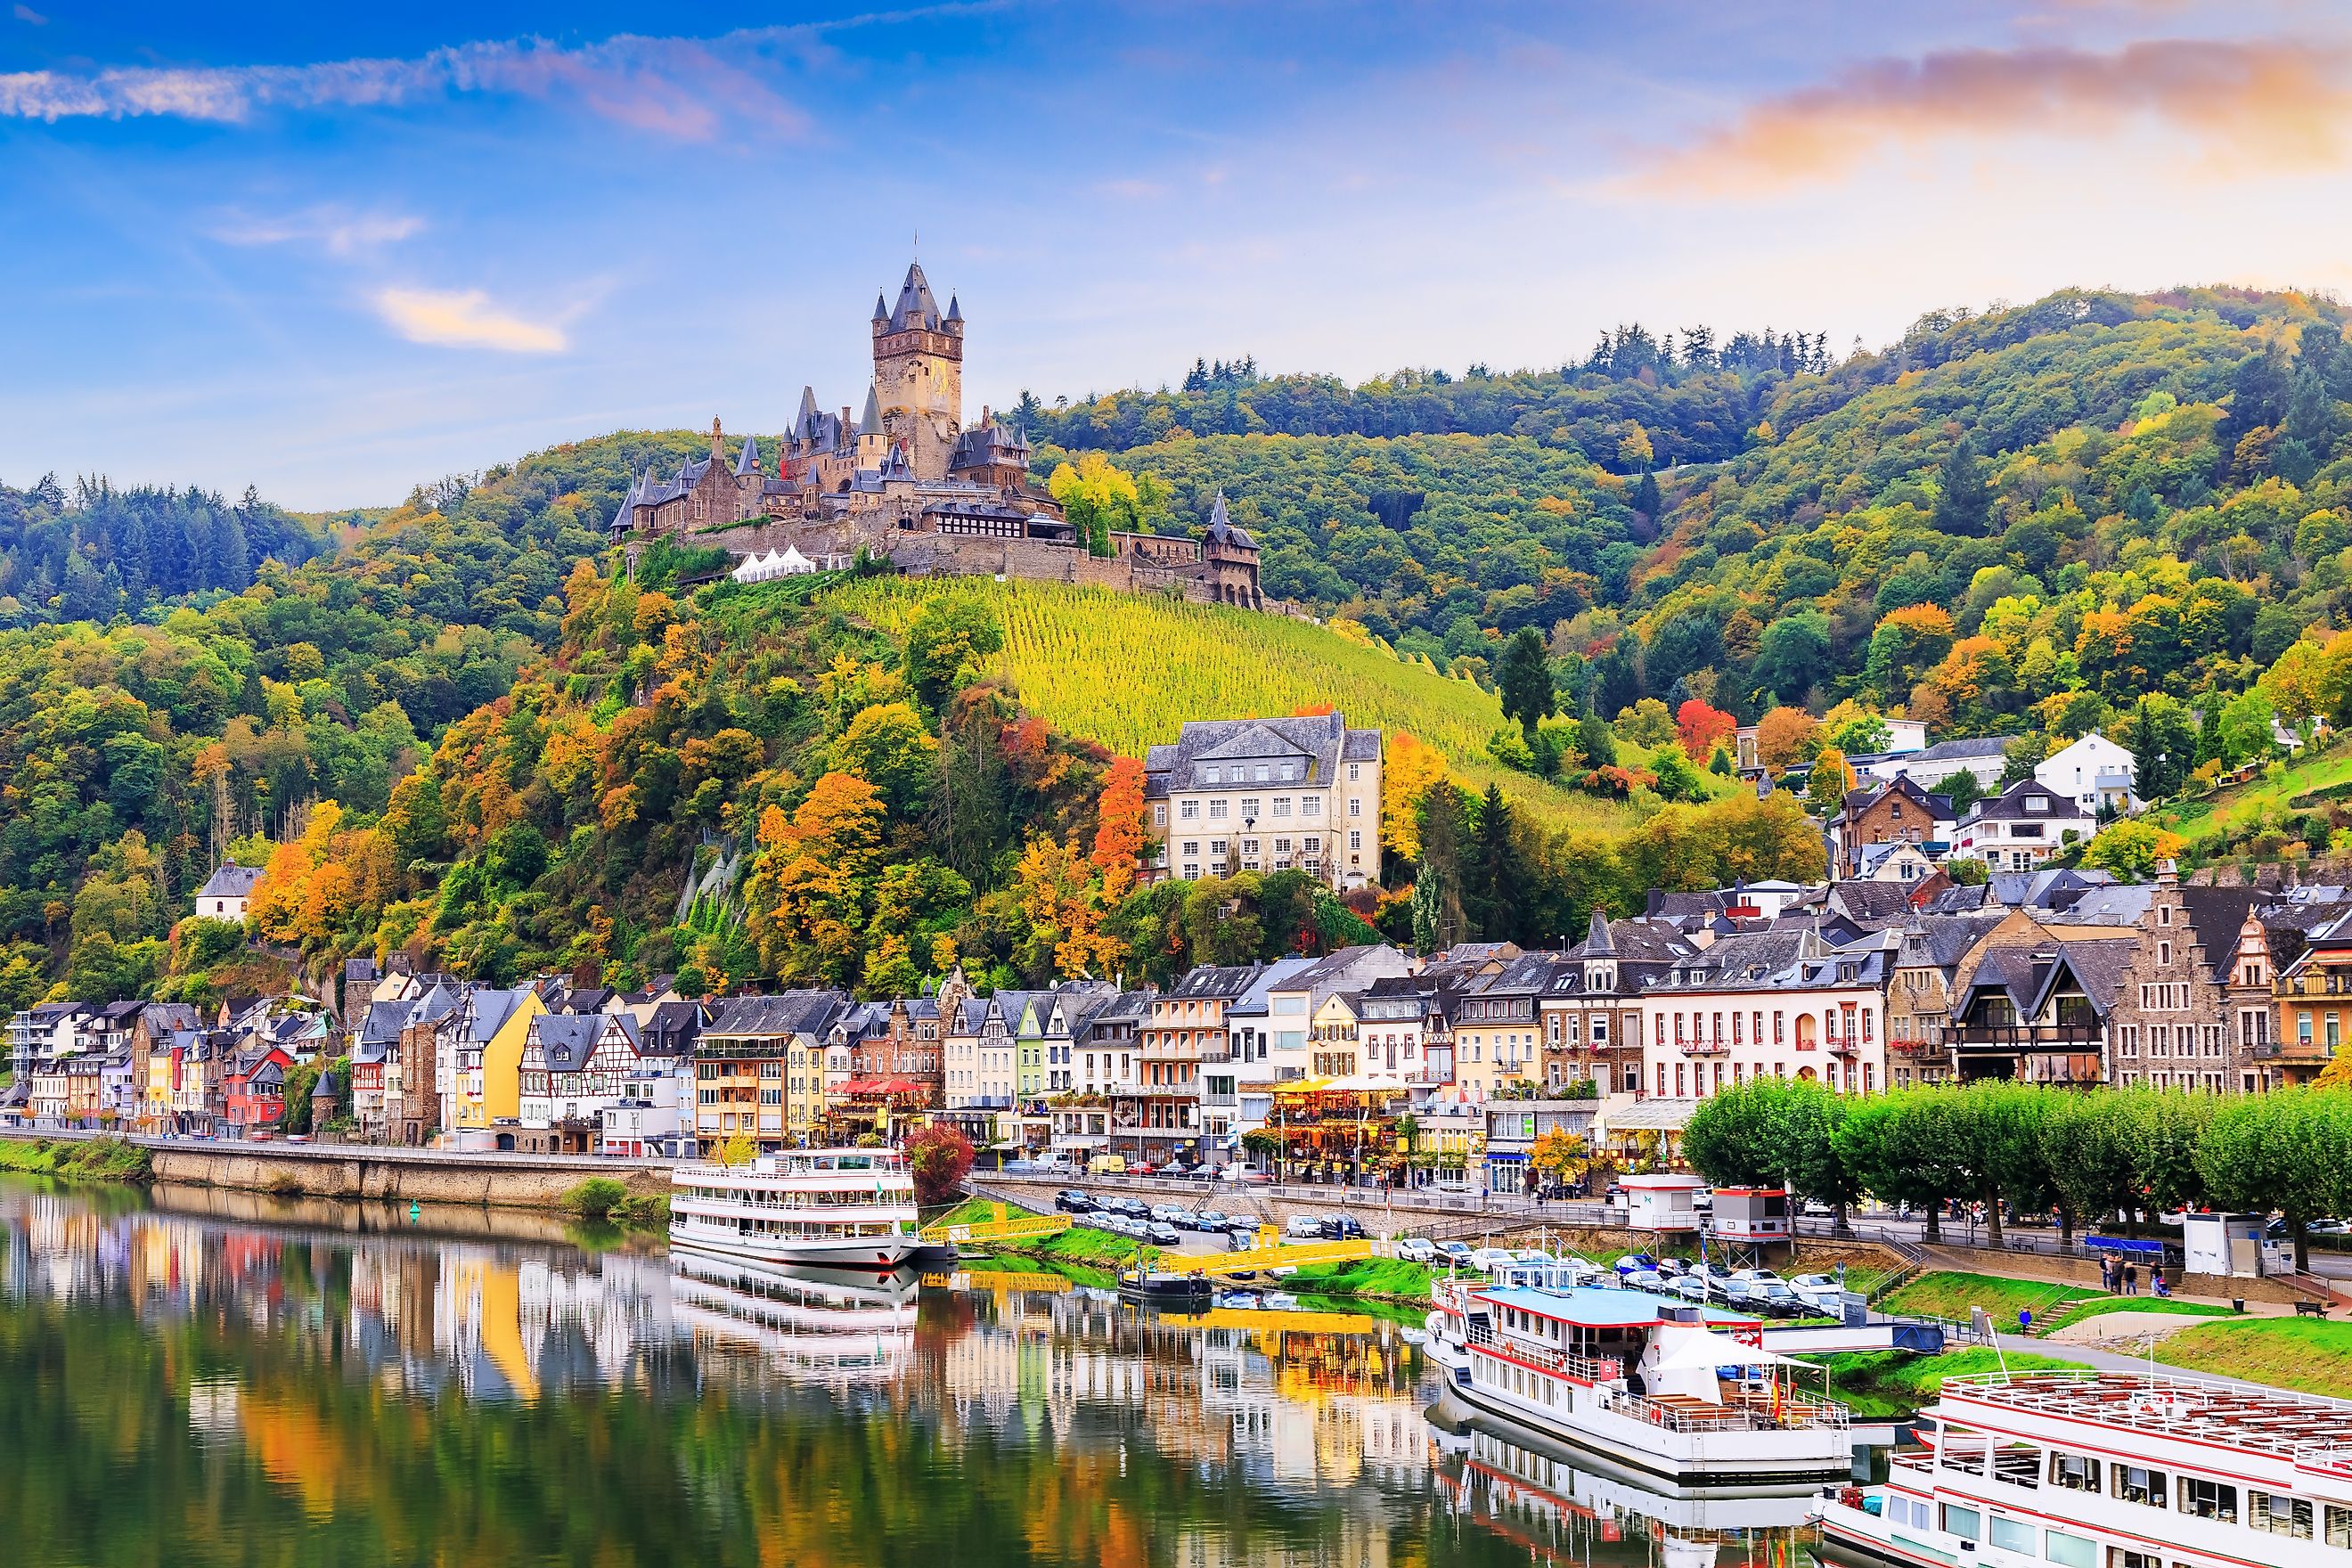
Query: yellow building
[[486, 1035]]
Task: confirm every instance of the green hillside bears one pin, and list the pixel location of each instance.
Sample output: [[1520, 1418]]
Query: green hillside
[[1125, 672]]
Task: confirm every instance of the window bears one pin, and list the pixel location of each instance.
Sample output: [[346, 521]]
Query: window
[[2119, 1558], [2209, 1500], [1355, 839], [2012, 1534], [1250, 807], [1192, 846], [2134, 1484], [1160, 814], [1209, 776], [1188, 811], [1965, 1522], [2019, 1464], [1282, 806], [1355, 771], [1216, 811], [2068, 1550], [1355, 805], [1310, 805], [2280, 1514], [2339, 1527]]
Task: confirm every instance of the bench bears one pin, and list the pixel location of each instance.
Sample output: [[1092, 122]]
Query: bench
[[2311, 1309]]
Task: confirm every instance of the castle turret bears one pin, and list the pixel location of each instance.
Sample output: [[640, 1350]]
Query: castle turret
[[873, 431], [919, 375], [1232, 557]]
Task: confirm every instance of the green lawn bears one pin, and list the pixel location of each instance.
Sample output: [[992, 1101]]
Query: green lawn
[[1885, 1383], [1950, 1295], [2226, 814], [1388, 1277], [89, 1160], [2082, 1311], [2301, 1354]]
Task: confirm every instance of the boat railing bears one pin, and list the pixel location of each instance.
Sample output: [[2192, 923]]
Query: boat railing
[[1744, 1412], [1592, 1368], [2334, 1460], [771, 1166]]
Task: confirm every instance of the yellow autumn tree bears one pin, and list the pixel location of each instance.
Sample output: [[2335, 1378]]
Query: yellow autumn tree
[[1121, 834], [811, 877], [1406, 776]]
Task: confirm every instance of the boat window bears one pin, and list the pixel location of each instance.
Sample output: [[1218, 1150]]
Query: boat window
[[2209, 1500], [2134, 1484], [2012, 1534], [2074, 1472], [2339, 1527], [2069, 1550], [2280, 1514], [1964, 1522], [2119, 1558], [2019, 1464], [1964, 1452]]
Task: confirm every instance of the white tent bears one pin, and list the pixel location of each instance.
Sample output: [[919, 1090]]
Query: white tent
[[792, 563], [1696, 1348]]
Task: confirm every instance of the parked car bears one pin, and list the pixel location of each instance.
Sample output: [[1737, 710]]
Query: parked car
[[1247, 1176], [1070, 1200], [1703, 1200], [1633, 1260], [1456, 1252], [1673, 1268], [1161, 1233], [1242, 1224], [1757, 1275], [1342, 1227], [1773, 1297], [1644, 1280], [1487, 1258], [1821, 1292], [1107, 1164], [1209, 1219], [1417, 1249], [1690, 1288], [1167, 1214], [1303, 1227]]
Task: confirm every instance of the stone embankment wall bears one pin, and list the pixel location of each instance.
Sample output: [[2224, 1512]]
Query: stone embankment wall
[[2085, 1271], [398, 1175]]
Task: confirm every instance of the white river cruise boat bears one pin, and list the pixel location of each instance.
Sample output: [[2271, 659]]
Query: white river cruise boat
[[2106, 1469], [1647, 1382], [833, 1208]]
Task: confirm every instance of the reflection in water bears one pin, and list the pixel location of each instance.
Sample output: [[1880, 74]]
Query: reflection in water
[[276, 1384]]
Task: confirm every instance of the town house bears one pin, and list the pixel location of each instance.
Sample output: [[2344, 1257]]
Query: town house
[[2035, 1007], [2021, 827], [1497, 1041], [1779, 1004], [752, 1048], [1184, 1028], [1266, 794], [1592, 1011], [2176, 1023], [1897, 812], [573, 1064]]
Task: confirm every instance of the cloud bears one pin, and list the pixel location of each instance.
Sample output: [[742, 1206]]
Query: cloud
[[336, 230], [2281, 102], [675, 87], [26, 14], [465, 320]]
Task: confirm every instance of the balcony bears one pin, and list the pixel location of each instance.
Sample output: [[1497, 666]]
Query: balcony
[[1704, 1047], [2065, 1038]]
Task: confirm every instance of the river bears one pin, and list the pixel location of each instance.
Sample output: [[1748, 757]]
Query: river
[[195, 1378]]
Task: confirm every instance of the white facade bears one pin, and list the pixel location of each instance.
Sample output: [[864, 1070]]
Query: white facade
[[1702, 1041], [652, 1109], [2023, 827], [2093, 772]]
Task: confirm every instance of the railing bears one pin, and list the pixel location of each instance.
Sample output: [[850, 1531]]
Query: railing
[[2025, 1037], [1592, 1368]]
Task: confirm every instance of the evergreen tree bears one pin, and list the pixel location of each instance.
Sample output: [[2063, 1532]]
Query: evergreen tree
[[1963, 496], [1524, 677], [1494, 870]]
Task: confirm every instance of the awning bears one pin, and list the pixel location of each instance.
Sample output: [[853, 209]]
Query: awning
[[1649, 1116], [881, 1085], [1304, 1086], [1697, 1348]]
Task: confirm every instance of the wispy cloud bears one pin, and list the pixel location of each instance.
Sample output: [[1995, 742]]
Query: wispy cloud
[[465, 319], [26, 14], [2276, 102], [338, 231], [676, 86]]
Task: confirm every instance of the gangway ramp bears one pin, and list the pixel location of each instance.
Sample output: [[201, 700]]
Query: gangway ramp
[[1005, 1226], [1257, 1257]]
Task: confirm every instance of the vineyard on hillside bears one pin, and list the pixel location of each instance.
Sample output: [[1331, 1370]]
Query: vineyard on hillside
[[1125, 670]]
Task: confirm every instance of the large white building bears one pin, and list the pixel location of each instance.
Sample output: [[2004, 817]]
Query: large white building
[[2093, 773], [1777, 1004], [1267, 795], [2021, 827]]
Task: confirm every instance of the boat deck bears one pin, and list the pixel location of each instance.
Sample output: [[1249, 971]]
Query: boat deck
[[2309, 1429]]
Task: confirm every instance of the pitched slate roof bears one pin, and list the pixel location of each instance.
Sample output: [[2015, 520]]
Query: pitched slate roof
[[1224, 530], [231, 881], [1316, 743], [2012, 803], [568, 1041], [916, 308], [781, 1013]]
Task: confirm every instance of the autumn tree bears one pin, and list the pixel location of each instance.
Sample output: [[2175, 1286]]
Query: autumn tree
[[805, 901], [1786, 737], [1411, 768], [1122, 829], [1703, 728]]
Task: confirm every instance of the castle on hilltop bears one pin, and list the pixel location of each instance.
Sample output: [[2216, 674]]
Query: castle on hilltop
[[907, 480]]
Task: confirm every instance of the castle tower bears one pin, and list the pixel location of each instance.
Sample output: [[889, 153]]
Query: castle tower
[[919, 373]]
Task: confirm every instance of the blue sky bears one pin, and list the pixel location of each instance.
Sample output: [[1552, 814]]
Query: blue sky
[[335, 255]]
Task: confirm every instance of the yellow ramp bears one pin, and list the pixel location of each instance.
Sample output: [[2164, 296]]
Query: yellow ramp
[[1019, 1227], [1266, 1257], [1263, 1319]]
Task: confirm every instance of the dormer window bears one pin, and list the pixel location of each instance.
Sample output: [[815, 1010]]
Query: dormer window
[[1208, 776], [2037, 803]]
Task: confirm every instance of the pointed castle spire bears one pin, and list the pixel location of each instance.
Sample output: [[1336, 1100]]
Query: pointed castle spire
[[747, 462], [870, 422], [1598, 942]]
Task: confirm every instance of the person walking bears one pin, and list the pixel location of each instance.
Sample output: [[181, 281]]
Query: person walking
[[2131, 1279], [2107, 1272]]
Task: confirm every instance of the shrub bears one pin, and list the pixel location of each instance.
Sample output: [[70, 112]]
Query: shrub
[[598, 1197]]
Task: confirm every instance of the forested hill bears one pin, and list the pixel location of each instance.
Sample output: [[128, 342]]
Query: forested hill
[[159, 701], [2163, 472]]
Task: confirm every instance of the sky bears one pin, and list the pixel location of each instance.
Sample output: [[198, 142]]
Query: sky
[[337, 255]]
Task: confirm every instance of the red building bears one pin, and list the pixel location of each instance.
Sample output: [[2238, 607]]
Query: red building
[[253, 1090]]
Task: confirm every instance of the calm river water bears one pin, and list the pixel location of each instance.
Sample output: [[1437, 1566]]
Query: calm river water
[[208, 1378]]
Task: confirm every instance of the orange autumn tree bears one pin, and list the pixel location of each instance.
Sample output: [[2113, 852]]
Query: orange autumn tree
[[811, 877], [1407, 774], [1785, 737], [1121, 836], [1062, 907]]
